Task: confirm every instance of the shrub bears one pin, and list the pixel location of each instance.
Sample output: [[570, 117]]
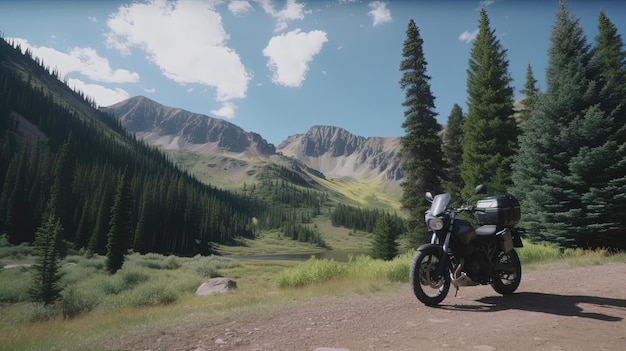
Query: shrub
[[14, 284], [75, 302], [152, 294]]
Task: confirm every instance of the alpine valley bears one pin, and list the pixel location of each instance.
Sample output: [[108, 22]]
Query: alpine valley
[[364, 171]]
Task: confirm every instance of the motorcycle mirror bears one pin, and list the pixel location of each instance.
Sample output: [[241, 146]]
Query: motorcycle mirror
[[429, 196], [480, 189]]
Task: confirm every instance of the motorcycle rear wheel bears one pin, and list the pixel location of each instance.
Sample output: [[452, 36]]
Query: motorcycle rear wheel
[[508, 281], [429, 287]]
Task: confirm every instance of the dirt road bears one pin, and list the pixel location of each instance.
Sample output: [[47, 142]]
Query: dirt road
[[566, 309]]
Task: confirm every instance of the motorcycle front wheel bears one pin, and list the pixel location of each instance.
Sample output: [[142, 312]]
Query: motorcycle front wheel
[[428, 286], [509, 274]]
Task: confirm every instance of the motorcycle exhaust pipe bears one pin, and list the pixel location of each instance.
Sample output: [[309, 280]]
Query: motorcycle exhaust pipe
[[459, 278]]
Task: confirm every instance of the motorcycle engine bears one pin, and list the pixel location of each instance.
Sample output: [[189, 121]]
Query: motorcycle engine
[[477, 266]]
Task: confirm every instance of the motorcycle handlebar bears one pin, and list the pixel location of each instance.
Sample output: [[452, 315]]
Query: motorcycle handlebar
[[469, 208]]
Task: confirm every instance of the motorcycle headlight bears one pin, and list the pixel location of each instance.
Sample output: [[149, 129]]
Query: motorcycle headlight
[[434, 223]]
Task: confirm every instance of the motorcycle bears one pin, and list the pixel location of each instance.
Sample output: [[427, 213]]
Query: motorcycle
[[460, 255]]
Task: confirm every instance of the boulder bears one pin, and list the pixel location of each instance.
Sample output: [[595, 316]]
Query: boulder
[[216, 286]]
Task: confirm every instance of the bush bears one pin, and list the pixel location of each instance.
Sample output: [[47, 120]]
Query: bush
[[14, 284], [75, 302], [208, 266], [152, 294]]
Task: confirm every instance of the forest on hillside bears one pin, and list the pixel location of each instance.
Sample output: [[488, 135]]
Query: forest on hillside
[[58, 160]]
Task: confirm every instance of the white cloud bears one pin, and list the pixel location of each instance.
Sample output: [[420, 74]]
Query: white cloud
[[486, 3], [186, 40], [468, 36], [85, 61], [380, 13], [239, 7], [226, 111], [102, 95], [290, 12], [289, 55], [97, 68], [149, 90]]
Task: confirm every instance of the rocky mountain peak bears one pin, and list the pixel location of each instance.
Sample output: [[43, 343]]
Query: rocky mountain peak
[[174, 128], [339, 153]]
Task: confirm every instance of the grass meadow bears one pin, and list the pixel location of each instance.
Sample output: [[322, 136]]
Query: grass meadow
[[152, 290]]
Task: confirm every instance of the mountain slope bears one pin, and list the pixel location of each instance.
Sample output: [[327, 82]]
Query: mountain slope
[[223, 154], [62, 158], [338, 153], [177, 129]]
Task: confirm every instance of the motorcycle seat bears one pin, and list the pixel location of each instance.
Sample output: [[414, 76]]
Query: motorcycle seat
[[486, 230]]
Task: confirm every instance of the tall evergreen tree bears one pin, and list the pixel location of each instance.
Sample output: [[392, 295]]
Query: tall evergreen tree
[[549, 190], [453, 151], [490, 132], [421, 146], [121, 232], [602, 163], [46, 274], [384, 243], [530, 92]]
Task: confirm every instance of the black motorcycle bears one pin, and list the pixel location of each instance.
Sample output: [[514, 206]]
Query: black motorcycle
[[460, 255]]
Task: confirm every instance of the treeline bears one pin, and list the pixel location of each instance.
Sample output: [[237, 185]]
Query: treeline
[[81, 159], [362, 218]]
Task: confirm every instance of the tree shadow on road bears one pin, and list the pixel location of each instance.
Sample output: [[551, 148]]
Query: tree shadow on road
[[562, 305]]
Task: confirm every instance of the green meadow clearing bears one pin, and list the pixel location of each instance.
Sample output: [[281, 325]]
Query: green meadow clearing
[[152, 290]]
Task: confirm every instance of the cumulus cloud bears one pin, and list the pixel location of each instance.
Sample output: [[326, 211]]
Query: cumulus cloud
[[289, 55], [186, 40], [290, 12], [239, 7], [226, 111], [85, 61], [379, 12], [468, 36], [102, 95]]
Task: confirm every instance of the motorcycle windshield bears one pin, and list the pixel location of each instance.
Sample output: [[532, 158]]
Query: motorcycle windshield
[[440, 202]]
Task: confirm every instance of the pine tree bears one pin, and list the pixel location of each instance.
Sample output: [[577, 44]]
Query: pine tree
[[453, 151], [121, 232], [544, 181], [602, 164], [384, 243], [421, 146], [46, 275], [530, 92], [490, 132]]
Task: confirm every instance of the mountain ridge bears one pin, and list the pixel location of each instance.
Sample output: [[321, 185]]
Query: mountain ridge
[[333, 151]]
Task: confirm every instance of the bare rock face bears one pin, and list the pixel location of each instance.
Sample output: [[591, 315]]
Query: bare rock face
[[338, 153], [216, 286], [175, 128]]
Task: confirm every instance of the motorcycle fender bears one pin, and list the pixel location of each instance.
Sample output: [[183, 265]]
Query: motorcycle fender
[[443, 258], [431, 246]]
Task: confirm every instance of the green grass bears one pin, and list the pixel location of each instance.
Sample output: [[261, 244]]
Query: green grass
[[153, 292]]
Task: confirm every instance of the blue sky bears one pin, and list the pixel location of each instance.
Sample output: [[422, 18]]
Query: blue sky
[[279, 67]]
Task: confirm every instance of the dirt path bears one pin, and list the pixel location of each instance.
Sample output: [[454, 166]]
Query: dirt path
[[566, 309]]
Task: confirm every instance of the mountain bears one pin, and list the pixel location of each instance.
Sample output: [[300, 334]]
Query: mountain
[[175, 129], [64, 160], [338, 153], [233, 154]]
